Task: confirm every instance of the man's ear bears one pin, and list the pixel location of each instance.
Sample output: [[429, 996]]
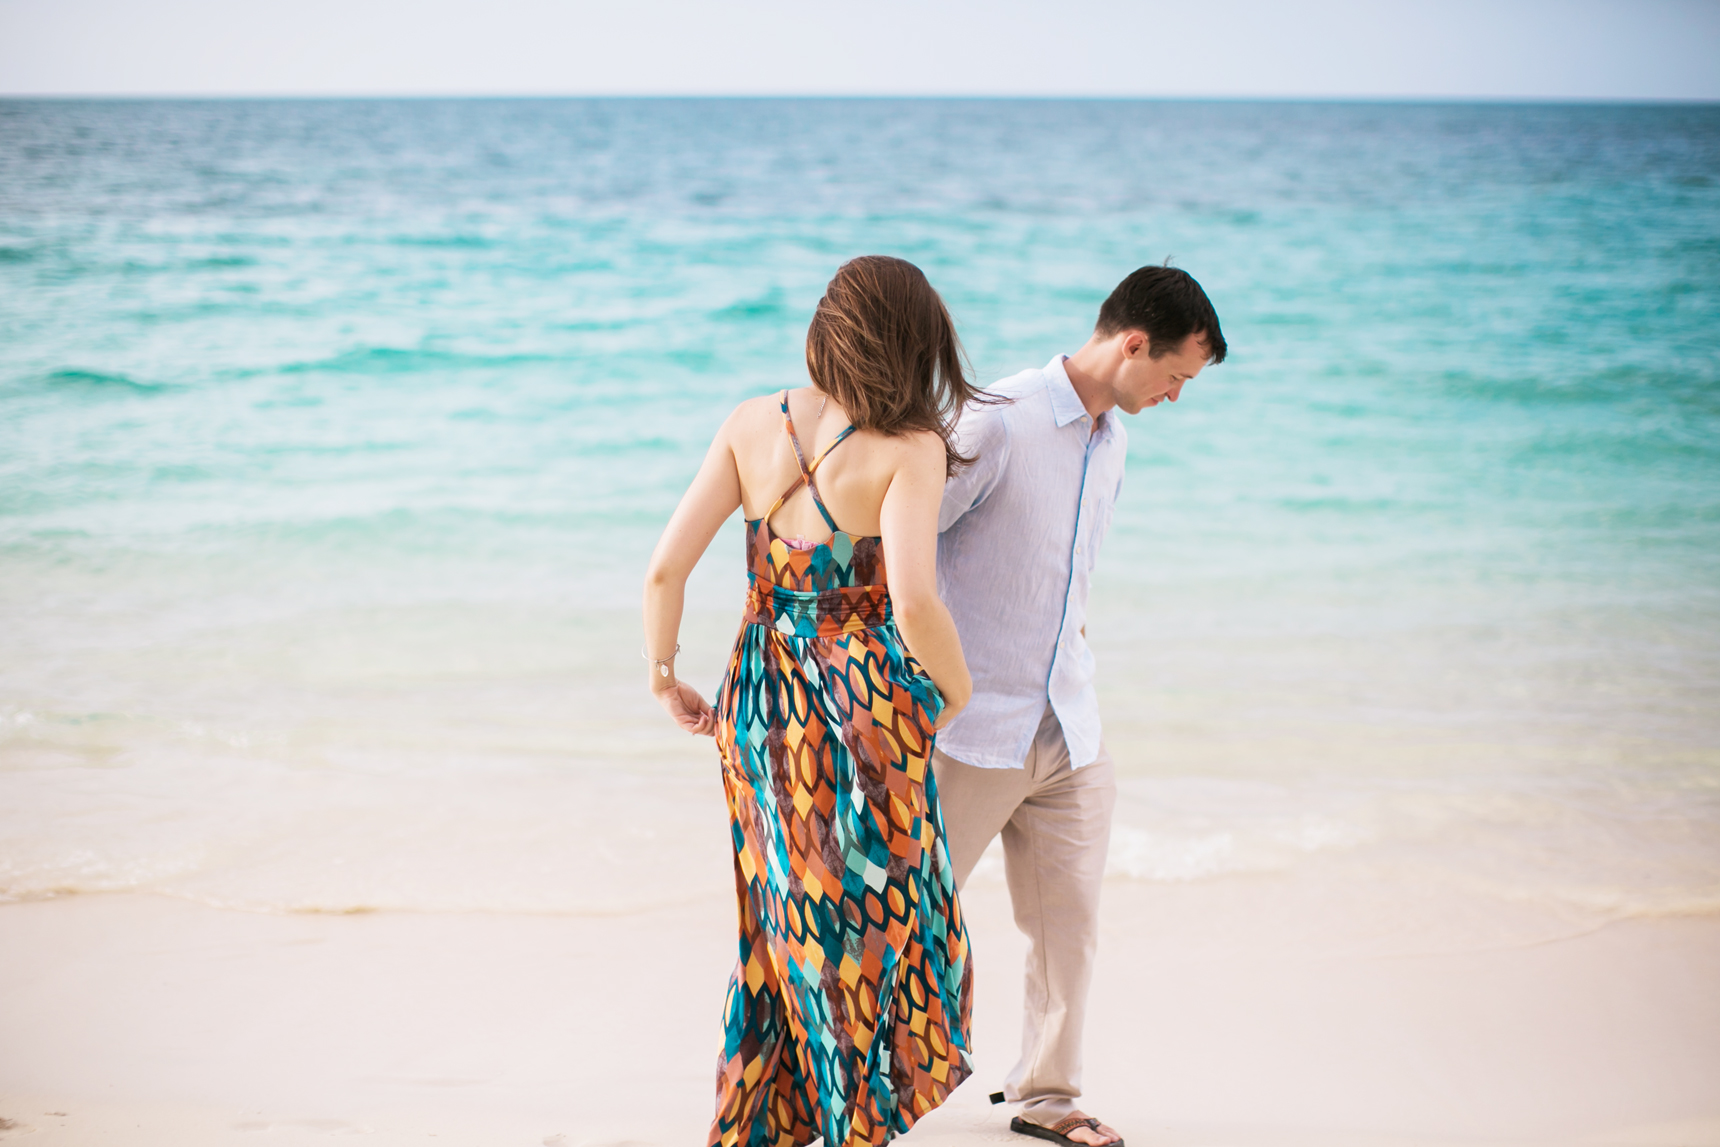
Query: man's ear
[[1135, 343]]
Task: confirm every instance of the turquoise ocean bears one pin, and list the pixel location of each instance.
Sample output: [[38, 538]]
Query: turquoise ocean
[[334, 437]]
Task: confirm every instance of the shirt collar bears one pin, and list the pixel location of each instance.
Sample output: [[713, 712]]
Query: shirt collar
[[1065, 403]]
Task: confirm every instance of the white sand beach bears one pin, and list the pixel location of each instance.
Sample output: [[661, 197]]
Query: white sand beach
[[151, 1022]]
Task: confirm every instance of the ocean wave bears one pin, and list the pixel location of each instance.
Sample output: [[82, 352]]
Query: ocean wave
[[1171, 855], [96, 381], [770, 306], [449, 242], [400, 360]]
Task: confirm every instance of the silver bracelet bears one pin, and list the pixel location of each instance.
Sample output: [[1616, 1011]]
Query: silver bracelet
[[662, 663]]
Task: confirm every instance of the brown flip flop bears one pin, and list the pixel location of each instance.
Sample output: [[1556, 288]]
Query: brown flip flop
[[1059, 1132]]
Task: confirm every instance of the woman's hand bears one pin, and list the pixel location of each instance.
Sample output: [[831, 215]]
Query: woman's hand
[[708, 502], [952, 709], [690, 711]]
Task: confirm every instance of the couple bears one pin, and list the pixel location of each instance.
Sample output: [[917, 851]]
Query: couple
[[848, 1013]]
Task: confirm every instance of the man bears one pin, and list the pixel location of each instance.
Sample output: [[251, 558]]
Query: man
[[1019, 533]]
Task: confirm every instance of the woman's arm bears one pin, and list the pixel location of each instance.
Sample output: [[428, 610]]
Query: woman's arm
[[910, 527], [707, 504]]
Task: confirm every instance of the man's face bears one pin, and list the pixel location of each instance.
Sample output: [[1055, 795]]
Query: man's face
[[1147, 381]]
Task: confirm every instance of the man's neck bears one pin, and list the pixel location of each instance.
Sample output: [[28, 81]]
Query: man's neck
[[1086, 369]]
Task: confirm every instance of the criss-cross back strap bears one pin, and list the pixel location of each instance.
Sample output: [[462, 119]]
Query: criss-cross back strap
[[805, 470]]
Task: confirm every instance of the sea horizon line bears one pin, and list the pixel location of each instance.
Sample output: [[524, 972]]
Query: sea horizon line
[[1417, 100]]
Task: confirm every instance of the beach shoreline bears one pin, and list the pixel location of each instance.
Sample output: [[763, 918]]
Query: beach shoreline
[[151, 1021], [335, 438]]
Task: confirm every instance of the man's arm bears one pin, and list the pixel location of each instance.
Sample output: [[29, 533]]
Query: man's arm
[[981, 435]]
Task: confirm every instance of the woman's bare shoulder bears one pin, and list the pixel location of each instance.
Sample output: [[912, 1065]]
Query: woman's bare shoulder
[[918, 452], [921, 448], [753, 418], [765, 407]]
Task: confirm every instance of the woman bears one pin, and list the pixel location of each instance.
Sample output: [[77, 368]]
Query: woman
[[848, 1012]]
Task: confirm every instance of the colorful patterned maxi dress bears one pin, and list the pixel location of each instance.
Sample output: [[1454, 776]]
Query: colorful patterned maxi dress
[[848, 1013]]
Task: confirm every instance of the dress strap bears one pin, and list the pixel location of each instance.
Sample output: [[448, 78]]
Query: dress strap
[[805, 470]]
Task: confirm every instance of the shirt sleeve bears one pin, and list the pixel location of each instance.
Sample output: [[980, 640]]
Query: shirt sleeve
[[982, 436]]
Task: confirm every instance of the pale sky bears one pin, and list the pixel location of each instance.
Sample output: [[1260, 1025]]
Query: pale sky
[[1533, 49]]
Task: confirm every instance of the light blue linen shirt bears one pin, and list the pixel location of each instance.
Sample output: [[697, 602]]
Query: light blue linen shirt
[[1018, 535]]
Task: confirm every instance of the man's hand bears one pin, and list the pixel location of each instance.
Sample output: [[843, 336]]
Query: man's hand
[[690, 711]]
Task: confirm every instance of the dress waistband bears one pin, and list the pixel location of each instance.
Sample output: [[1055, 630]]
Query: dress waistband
[[827, 613]]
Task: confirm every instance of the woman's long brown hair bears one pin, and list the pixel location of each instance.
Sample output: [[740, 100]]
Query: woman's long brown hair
[[882, 344]]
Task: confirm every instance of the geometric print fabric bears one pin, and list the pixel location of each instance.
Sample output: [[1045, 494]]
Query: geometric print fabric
[[848, 1014]]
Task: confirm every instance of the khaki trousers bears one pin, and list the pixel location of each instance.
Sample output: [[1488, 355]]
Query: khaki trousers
[[1056, 826]]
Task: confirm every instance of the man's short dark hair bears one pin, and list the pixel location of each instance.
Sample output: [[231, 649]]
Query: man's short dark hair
[[1168, 305]]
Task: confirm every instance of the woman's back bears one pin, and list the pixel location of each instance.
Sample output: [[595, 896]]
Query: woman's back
[[851, 478]]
